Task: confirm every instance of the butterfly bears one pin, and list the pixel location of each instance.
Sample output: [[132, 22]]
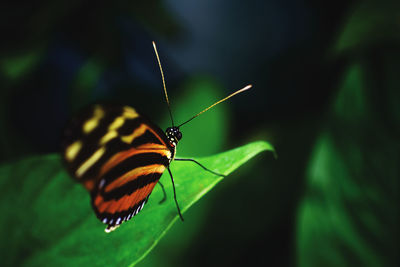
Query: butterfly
[[119, 155]]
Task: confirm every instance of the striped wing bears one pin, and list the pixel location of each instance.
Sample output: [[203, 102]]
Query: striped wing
[[118, 156]]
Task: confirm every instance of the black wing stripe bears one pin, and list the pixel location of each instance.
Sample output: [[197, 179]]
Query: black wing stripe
[[133, 162], [106, 217], [93, 171], [147, 137], [132, 186], [130, 125]]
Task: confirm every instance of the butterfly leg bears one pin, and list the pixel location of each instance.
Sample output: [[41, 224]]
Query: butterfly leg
[[165, 194], [201, 165], [176, 201]]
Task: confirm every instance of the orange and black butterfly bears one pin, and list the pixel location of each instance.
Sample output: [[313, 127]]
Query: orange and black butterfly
[[119, 156]]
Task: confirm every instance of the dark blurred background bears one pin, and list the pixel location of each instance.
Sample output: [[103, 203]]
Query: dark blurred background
[[326, 95]]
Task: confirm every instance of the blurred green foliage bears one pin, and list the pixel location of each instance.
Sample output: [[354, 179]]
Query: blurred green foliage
[[348, 211], [348, 216], [369, 23], [15, 67]]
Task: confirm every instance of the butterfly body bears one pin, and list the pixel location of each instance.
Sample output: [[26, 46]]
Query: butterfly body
[[119, 156]]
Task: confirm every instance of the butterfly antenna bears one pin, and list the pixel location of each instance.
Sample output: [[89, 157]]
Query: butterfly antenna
[[216, 103], [163, 80]]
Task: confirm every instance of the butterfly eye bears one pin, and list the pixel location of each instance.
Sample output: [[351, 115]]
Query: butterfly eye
[[178, 135]]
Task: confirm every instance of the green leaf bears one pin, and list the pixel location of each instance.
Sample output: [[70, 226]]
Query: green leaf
[[47, 218]]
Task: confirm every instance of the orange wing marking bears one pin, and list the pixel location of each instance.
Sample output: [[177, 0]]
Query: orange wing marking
[[124, 203], [119, 157], [133, 174]]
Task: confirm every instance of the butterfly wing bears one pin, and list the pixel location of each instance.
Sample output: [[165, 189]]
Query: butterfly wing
[[118, 156], [127, 180]]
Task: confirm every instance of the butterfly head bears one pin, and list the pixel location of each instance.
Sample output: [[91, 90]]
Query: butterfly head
[[173, 135]]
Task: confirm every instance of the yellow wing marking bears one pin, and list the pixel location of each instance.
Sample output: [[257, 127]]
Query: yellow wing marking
[[129, 113], [136, 133], [108, 136], [116, 123], [72, 150], [89, 162], [92, 123]]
